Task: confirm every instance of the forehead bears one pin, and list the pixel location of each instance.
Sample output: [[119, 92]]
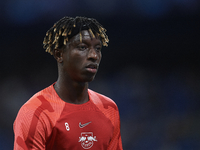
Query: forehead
[[86, 35]]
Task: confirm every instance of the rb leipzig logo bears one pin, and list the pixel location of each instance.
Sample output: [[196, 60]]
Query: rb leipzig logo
[[87, 139]]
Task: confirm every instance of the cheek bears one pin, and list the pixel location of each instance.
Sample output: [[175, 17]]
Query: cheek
[[100, 56], [77, 60], [77, 56]]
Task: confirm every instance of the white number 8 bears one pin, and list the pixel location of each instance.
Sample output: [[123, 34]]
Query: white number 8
[[67, 126]]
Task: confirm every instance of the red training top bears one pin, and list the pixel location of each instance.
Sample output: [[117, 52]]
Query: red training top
[[46, 122]]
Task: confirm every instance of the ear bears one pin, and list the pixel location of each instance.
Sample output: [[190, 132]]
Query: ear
[[58, 55]]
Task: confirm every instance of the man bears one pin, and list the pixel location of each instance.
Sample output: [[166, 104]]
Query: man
[[67, 115]]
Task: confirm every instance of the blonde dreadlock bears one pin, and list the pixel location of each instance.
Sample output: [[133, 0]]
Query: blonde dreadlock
[[67, 27]]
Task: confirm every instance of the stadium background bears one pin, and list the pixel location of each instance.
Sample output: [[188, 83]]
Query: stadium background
[[151, 68]]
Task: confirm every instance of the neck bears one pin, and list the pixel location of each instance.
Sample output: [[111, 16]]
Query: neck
[[72, 92]]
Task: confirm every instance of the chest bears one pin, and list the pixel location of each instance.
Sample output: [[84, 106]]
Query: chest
[[82, 129]]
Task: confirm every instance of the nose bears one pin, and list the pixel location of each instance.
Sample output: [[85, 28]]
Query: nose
[[93, 54]]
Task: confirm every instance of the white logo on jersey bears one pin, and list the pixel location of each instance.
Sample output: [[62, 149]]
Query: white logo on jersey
[[87, 139], [67, 126]]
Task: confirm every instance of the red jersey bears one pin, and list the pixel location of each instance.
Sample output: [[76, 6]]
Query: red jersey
[[46, 122]]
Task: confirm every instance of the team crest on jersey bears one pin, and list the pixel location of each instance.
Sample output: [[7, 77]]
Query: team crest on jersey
[[87, 139]]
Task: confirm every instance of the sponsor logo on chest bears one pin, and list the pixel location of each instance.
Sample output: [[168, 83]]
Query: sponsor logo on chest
[[87, 139]]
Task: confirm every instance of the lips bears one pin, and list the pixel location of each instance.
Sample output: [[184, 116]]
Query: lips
[[92, 68]]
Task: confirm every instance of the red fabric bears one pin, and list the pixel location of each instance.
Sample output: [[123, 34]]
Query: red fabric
[[47, 122]]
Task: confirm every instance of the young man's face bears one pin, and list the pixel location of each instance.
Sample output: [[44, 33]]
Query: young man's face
[[81, 59]]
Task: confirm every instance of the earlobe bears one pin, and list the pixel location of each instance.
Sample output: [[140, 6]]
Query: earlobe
[[58, 55]]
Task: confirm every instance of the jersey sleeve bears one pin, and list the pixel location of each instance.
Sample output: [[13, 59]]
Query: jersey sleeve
[[29, 129], [116, 142]]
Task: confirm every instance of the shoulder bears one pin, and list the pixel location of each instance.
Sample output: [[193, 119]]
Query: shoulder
[[106, 105], [37, 103], [43, 107], [98, 98]]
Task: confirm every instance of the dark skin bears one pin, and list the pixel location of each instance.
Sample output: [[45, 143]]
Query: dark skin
[[77, 65]]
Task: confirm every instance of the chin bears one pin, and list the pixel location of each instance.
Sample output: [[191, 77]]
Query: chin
[[90, 79], [86, 79]]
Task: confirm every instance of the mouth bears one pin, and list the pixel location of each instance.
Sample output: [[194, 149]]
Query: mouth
[[92, 68]]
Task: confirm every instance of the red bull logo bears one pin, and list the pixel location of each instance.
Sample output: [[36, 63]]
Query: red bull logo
[[87, 139]]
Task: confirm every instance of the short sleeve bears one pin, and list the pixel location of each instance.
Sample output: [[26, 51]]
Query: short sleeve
[[29, 129], [116, 142]]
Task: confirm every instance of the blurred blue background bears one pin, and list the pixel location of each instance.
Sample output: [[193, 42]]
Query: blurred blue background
[[151, 68]]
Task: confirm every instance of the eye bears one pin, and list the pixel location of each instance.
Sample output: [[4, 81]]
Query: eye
[[82, 47], [98, 48]]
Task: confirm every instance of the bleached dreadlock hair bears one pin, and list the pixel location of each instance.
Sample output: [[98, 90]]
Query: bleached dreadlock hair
[[67, 27]]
